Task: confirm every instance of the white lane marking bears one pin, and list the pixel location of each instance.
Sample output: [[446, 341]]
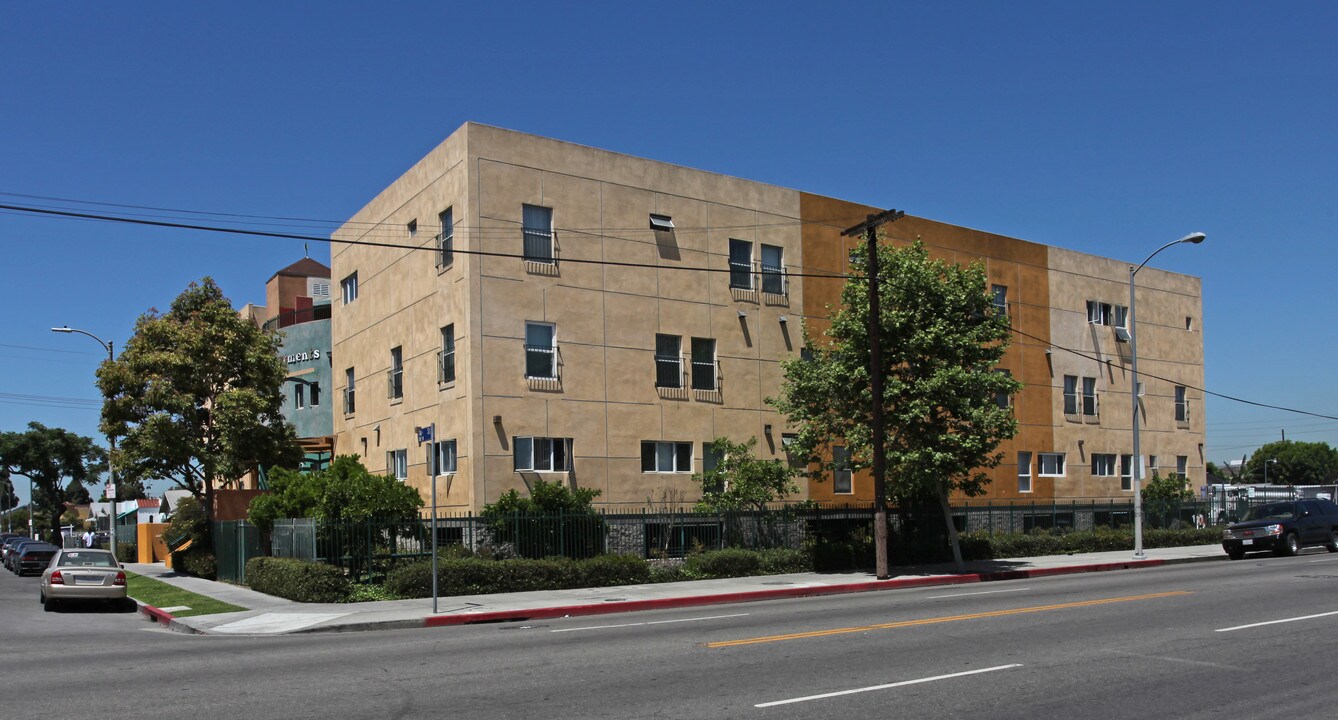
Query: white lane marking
[[885, 687], [1327, 559], [985, 592], [656, 622], [1275, 622]]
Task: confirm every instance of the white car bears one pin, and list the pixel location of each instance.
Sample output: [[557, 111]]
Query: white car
[[82, 574]]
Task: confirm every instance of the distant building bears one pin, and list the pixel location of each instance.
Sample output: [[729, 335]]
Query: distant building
[[591, 346], [298, 305]]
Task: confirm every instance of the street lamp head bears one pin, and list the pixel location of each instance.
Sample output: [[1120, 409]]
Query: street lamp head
[[1195, 238], [65, 329]]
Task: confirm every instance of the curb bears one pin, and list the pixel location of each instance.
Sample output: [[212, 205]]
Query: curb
[[171, 622], [165, 619], [777, 594]]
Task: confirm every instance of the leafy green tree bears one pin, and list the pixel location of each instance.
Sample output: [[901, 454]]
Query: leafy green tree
[[941, 344], [196, 397], [8, 498], [345, 492], [54, 459], [554, 520], [1169, 488], [1298, 463], [743, 481]]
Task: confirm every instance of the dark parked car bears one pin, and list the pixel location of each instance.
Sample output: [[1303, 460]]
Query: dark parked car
[[33, 557], [11, 547], [8, 543], [1284, 528]]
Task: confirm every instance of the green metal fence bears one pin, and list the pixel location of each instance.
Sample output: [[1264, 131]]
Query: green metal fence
[[369, 550]]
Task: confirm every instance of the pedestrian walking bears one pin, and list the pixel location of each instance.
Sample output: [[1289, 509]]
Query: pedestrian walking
[[88, 538]]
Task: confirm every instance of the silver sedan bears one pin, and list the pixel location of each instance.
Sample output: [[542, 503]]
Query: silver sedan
[[82, 574]]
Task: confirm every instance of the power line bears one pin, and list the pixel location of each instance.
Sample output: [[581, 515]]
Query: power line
[[393, 246], [485, 253], [1205, 391]]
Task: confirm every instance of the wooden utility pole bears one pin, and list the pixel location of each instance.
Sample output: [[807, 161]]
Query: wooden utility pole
[[870, 229]]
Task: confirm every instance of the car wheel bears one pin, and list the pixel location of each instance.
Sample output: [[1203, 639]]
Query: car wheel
[[1291, 545], [1333, 542], [49, 604], [1235, 554]]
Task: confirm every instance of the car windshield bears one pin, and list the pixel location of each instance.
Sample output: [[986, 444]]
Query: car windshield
[[85, 558], [1275, 511]]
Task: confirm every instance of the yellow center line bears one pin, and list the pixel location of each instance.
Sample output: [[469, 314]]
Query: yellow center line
[[933, 621]]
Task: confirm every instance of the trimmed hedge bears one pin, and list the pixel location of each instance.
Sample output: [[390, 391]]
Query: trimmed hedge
[[984, 546], [298, 580], [197, 563], [479, 576]]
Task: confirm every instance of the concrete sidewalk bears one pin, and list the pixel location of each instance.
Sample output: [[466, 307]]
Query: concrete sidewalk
[[269, 615]]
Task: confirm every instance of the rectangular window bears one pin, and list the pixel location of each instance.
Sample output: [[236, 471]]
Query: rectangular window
[[349, 396], [666, 457], [1002, 398], [1182, 466], [397, 464], [1000, 301], [1024, 472], [703, 364], [1103, 465], [446, 239], [443, 454], [538, 233], [740, 264], [539, 454], [395, 376], [349, 286], [661, 222], [1089, 404], [413, 227], [711, 458], [668, 361], [1099, 313], [540, 350], [1122, 317], [1127, 472], [446, 358], [1052, 464], [1070, 394], [843, 479], [315, 395], [299, 396], [773, 269], [1181, 404]]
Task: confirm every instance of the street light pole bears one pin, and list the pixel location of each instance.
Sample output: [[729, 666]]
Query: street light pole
[[111, 439], [1194, 238]]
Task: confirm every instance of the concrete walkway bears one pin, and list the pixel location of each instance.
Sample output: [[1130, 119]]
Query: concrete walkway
[[269, 615]]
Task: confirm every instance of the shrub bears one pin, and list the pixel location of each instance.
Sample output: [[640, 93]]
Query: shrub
[[127, 553], [608, 570], [984, 546], [298, 580], [778, 561], [197, 562], [727, 563]]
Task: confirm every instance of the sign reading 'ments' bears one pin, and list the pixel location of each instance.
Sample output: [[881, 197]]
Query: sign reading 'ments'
[[300, 357]]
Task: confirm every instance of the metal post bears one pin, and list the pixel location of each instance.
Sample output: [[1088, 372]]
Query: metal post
[[1195, 238]]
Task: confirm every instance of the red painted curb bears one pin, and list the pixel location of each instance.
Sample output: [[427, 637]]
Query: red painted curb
[[776, 594], [155, 614]]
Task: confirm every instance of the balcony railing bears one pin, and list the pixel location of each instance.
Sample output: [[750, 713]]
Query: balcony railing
[[540, 361], [446, 366], [395, 383], [740, 275], [704, 375], [445, 249], [668, 372], [774, 281], [538, 245]]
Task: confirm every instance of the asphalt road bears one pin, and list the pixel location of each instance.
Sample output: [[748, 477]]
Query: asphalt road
[[1175, 642]]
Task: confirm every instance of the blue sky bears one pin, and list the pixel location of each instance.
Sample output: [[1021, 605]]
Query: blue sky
[[1108, 128]]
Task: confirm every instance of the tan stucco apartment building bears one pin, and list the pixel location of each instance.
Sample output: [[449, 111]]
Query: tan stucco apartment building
[[566, 313]]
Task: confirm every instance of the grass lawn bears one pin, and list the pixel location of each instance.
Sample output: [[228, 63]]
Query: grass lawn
[[161, 595]]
